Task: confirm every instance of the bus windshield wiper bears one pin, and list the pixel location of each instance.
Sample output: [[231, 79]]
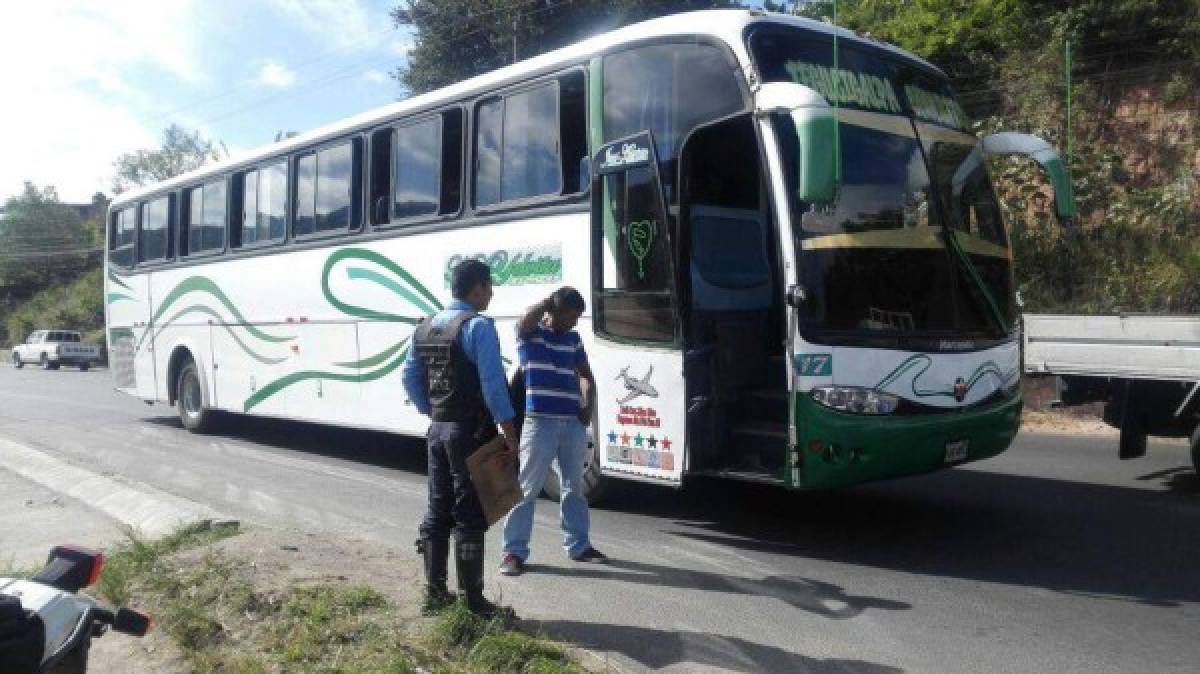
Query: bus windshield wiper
[[950, 239]]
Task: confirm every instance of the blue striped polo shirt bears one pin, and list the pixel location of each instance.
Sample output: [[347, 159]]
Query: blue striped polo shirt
[[551, 383]]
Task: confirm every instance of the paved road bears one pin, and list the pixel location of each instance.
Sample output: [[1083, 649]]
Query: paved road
[[1052, 557]]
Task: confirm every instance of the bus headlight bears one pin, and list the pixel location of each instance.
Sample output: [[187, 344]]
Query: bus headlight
[[855, 400]]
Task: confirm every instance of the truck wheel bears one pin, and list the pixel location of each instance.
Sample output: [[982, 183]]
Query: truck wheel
[[1196, 449], [189, 399], [17, 362], [44, 362], [594, 484]]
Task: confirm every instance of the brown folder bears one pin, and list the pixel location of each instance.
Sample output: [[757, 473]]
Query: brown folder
[[495, 480]]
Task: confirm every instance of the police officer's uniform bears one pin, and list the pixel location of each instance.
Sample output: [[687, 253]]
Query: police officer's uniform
[[443, 379]]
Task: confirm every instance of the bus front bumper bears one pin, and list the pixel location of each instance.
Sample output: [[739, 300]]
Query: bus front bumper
[[835, 449]]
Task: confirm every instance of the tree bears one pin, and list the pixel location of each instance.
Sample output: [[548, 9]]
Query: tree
[[457, 39], [181, 151], [41, 239]]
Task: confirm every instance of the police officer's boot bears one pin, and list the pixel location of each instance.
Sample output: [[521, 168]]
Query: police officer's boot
[[436, 553], [468, 562]]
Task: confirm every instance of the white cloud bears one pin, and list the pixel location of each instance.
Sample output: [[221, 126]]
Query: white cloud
[[375, 76], [66, 78], [275, 75], [346, 25]]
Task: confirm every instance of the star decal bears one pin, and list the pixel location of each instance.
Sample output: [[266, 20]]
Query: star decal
[[637, 440], [652, 441], [666, 444], [624, 438]]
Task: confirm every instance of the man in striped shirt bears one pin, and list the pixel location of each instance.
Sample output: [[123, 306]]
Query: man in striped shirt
[[559, 392]]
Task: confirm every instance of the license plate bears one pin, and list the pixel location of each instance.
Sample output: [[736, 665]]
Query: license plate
[[956, 450]]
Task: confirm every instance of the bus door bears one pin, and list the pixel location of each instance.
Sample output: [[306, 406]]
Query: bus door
[[637, 355]]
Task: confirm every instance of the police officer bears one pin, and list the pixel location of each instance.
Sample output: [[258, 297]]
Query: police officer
[[454, 375]]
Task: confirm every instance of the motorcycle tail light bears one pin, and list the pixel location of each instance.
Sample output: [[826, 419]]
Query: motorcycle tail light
[[71, 568]]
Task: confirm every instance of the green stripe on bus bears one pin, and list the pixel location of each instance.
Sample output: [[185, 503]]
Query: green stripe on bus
[[296, 377], [202, 309], [113, 277], [117, 297], [425, 304], [203, 284], [377, 358]]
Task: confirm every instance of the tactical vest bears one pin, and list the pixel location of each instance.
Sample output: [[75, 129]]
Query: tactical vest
[[454, 390]]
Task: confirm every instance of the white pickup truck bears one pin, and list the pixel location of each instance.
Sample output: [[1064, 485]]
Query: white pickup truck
[[1146, 368], [52, 348]]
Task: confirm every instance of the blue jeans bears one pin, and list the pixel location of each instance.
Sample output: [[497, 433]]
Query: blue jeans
[[544, 439]]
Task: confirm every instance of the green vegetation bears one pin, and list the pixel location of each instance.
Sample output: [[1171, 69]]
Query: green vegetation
[[50, 257], [223, 618], [76, 305]]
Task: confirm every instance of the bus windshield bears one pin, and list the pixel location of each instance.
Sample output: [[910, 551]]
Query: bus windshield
[[875, 262]]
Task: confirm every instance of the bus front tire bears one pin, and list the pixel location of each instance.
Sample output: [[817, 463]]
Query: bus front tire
[[594, 484], [189, 400]]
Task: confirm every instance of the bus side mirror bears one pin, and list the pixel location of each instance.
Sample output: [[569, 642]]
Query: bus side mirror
[[1009, 143], [816, 134]]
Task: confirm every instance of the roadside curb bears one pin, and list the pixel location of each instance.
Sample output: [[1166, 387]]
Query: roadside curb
[[149, 511]]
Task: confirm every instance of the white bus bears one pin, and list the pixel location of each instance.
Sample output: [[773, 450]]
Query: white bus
[[795, 260]]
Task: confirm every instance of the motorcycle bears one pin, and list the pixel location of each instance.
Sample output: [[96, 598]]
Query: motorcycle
[[47, 626]]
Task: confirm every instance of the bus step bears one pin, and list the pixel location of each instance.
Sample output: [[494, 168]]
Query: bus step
[[766, 405], [758, 446]]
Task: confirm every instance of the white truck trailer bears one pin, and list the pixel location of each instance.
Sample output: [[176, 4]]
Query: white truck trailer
[[1145, 368]]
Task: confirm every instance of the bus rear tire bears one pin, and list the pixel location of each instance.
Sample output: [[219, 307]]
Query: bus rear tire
[[83, 367], [594, 484], [189, 400]]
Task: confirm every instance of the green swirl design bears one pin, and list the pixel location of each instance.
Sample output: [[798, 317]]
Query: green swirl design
[[117, 297], [386, 274], [922, 362], [201, 309], [410, 288], [202, 284], [297, 377], [113, 277]]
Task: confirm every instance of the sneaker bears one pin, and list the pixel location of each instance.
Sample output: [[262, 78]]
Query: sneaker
[[512, 565], [591, 555]]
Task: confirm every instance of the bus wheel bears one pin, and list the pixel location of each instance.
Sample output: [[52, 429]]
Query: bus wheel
[[83, 367], [44, 362], [17, 362], [594, 484], [189, 399]]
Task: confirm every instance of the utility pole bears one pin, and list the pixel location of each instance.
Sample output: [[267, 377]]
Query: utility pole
[[1067, 68], [516, 15]]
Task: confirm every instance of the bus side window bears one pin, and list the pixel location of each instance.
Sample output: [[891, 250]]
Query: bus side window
[[154, 237], [205, 221], [516, 158], [417, 171], [572, 131], [123, 237], [380, 182], [326, 185]]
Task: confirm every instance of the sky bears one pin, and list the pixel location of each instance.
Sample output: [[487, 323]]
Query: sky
[[83, 81]]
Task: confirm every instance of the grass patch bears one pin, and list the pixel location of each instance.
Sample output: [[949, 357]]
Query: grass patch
[[491, 646], [222, 621]]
